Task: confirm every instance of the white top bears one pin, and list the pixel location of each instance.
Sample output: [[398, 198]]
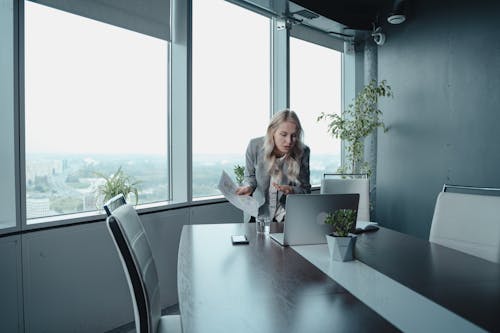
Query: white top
[[276, 209]]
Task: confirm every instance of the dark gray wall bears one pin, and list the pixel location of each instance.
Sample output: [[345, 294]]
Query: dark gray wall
[[444, 67]]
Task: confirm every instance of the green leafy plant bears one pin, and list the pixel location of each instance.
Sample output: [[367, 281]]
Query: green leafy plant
[[358, 120], [342, 221], [117, 183], [239, 172]]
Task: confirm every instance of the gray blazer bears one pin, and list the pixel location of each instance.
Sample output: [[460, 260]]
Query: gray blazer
[[258, 178]]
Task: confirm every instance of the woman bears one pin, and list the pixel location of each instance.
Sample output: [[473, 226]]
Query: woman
[[277, 165]]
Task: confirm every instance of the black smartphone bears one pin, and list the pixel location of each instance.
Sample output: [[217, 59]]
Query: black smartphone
[[239, 239]]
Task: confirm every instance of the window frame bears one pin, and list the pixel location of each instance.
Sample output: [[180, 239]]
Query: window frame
[[11, 120], [77, 217], [179, 113], [347, 64]]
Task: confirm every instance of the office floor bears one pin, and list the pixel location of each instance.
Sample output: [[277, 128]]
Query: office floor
[[130, 327]]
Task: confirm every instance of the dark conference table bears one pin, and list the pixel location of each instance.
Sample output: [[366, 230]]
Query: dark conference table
[[263, 287]]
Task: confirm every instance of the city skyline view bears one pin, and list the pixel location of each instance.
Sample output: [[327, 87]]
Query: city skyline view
[[64, 184]]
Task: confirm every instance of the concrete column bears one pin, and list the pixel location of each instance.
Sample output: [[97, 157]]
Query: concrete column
[[370, 151]]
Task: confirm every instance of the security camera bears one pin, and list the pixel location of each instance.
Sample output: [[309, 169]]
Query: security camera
[[378, 36]]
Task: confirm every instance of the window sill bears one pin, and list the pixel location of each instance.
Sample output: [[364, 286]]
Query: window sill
[[93, 216]]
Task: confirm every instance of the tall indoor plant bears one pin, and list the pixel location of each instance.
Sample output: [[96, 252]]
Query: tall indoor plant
[[358, 121]]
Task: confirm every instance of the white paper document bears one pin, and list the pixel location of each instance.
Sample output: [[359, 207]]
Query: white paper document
[[244, 202]]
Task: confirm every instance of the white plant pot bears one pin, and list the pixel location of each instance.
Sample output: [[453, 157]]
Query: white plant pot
[[341, 248]]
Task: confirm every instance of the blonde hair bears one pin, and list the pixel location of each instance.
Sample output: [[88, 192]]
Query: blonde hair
[[292, 160]]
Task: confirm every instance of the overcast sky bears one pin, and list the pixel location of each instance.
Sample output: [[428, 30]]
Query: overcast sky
[[89, 83]]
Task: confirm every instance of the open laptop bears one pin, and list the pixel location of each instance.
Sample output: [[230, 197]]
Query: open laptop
[[305, 217]]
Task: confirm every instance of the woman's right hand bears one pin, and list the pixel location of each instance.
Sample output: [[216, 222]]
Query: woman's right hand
[[244, 190]]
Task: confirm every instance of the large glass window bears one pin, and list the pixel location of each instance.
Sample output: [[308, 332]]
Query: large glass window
[[315, 87], [95, 102], [231, 88]]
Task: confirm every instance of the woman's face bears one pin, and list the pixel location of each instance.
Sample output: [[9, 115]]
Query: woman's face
[[285, 137]]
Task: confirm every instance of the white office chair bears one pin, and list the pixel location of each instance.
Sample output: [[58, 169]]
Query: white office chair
[[467, 222], [133, 247], [350, 185]]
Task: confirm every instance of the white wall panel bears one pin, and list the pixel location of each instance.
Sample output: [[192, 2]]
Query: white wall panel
[[73, 281], [164, 232], [220, 213], [11, 310]]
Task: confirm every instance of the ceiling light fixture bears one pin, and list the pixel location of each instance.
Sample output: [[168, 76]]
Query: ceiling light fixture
[[397, 14]]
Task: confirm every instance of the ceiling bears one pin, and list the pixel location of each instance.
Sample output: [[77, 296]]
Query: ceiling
[[355, 14]]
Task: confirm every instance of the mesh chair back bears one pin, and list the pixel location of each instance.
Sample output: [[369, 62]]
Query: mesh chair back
[[133, 246], [348, 186], [114, 203], [469, 223]]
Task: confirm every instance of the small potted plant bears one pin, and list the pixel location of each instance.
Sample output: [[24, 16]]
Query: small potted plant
[[117, 183], [340, 241], [239, 174]]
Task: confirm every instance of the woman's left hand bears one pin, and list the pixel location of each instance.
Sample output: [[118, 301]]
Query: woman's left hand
[[286, 189]]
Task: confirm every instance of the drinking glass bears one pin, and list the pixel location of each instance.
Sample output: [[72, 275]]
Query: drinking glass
[[263, 224]]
